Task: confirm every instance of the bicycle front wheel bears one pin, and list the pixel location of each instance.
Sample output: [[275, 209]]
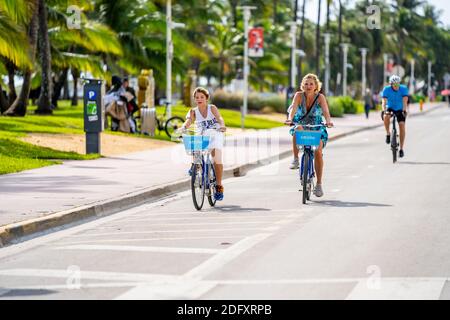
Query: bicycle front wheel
[[197, 186], [212, 185], [305, 177], [172, 125], [394, 146]]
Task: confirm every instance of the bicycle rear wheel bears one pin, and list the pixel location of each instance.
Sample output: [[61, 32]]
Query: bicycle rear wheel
[[212, 185], [197, 186], [305, 177], [172, 125]]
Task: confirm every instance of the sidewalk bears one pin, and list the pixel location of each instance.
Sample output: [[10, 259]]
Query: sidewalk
[[39, 199]]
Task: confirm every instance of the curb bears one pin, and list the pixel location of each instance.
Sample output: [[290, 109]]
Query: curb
[[28, 229]]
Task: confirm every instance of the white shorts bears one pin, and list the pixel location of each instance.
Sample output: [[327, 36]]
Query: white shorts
[[216, 139]]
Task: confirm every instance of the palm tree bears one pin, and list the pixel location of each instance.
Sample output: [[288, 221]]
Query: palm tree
[[302, 40], [19, 107], [44, 105]]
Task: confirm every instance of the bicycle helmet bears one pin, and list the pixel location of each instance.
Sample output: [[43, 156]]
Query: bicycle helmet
[[394, 79]]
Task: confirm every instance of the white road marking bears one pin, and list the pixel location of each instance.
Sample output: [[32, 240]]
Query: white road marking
[[150, 239], [190, 286], [140, 249], [394, 289], [161, 231], [335, 190], [97, 275], [187, 224], [202, 218]]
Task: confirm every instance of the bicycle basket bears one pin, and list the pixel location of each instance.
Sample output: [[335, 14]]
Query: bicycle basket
[[196, 143], [308, 138]]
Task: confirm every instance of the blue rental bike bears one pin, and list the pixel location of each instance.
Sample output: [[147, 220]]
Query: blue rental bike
[[203, 175], [307, 141]]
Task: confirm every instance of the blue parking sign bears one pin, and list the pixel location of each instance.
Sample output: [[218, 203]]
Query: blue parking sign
[[91, 94]]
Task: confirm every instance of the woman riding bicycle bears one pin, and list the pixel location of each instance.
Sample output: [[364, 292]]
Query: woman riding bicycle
[[207, 116], [307, 108]]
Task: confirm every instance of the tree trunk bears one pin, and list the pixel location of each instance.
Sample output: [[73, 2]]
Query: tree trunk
[[11, 83], [292, 50], [221, 73], [44, 105], [328, 14], [318, 41], [62, 80], [275, 5], [19, 107], [66, 95], [3, 102], [75, 75], [302, 42]]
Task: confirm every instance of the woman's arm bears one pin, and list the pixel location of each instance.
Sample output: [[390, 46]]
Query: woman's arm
[[216, 113], [294, 107], [189, 119], [326, 111]]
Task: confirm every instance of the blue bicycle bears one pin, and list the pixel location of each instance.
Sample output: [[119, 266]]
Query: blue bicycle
[[203, 175], [307, 141]]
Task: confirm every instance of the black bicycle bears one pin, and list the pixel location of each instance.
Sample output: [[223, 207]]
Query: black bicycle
[[170, 125], [394, 135]]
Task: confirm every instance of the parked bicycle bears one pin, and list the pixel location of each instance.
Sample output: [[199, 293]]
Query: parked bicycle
[[307, 141], [203, 175], [168, 125]]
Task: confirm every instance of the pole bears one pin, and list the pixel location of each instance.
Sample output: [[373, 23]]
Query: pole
[[247, 15], [293, 33], [363, 72], [344, 81], [411, 83], [385, 60], [327, 62], [169, 54], [429, 80]]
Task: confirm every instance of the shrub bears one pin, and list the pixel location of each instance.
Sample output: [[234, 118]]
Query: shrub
[[277, 102], [335, 107]]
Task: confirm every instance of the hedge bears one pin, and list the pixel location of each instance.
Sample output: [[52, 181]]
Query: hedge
[[228, 100]]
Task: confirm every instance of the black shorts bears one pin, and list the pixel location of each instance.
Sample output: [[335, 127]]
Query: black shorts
[[399, 114]]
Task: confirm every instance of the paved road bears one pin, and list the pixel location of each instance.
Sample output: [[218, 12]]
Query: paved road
[[380, 231]]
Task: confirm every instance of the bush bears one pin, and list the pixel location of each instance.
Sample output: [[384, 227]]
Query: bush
[[277, 102], [335, 107], [228, 100]]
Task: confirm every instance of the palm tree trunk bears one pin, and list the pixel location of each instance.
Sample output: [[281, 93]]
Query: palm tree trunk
[[44, 105], [19, 107], [340, 36], [328, 14], [62, 80], [292, 51], [318, 40], [3, 102], [66, 90], [75, 75], [302, 42], [275, 5], [221, 73], [11, 83]]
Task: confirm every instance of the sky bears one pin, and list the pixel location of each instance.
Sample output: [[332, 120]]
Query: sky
[[312, 7]]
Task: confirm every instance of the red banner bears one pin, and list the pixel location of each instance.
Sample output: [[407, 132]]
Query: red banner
[[256, 42]]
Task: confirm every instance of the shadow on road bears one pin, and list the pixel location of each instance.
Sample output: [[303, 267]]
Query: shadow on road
[[424, 163], [26, 292], [348, 204], [238, 208]]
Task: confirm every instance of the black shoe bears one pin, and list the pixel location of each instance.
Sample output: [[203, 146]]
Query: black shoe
[[388, 139], [401, 154]]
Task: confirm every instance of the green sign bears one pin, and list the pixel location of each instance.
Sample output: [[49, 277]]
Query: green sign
[[91, 108]]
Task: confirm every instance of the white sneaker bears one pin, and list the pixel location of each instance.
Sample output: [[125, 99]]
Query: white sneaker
[[318, 192], [294, 164]]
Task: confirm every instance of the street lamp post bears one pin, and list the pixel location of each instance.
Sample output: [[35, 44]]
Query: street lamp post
[[344, 73], [327, 61], [169, 54], [385, 61], [429, 80], [411, 83], [247, 14], [363, 72], [293, 33]]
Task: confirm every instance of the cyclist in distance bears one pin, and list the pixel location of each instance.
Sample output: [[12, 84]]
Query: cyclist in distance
[[395, 100], [307, 108], [207, 116]]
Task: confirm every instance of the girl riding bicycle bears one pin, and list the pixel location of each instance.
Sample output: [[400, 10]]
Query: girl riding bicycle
[[207, 116], [307, 108]]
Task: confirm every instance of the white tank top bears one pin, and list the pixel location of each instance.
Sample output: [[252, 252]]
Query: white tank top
[[203, 123]]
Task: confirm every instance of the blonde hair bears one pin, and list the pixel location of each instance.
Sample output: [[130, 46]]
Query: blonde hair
[[311, 76], [201, 90]]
